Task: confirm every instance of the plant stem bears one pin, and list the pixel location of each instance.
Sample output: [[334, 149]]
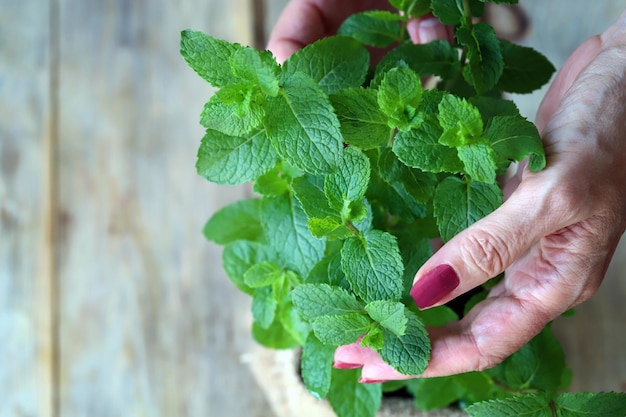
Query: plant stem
[[353, 228], [467, 13]]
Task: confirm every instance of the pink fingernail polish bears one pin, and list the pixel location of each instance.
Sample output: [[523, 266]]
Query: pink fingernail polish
[[434, 285], [346, 365], [372, 381]]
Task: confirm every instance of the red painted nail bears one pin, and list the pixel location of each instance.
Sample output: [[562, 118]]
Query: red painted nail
[[372, 381], [434, 285]]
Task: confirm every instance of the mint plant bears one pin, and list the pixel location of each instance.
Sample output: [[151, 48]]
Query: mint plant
[[357, 167]]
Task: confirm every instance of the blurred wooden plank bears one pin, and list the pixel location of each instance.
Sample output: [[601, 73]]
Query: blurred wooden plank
[[26, 360], [150, 324]]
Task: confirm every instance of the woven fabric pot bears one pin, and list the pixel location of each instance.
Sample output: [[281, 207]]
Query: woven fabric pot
[[276, 372]]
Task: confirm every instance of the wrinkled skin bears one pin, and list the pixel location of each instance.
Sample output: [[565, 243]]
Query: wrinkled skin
[[557, 230]]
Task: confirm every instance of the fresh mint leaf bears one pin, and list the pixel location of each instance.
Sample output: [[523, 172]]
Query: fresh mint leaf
[[436, 316], [484, 54], [277, 335], [292, 322], [234, 118], [238, 221], [433, 58], [374, 339], [316, 366], [408, 354], [330, 227], [362, 123], [451, 12], [389, 314], [349, 182], [419, 185], [317, 300], [479, 160], [335, 63], [587, 404], [273, 183], [525, 69], [262, 274], [257, 68], [489, 107], [375, 27], [461, 121], [373, 266], [341, 330], [225, 159], [458, 204], [241, 255], [399, 96], [302, 126], [527, 405], [209, 57], [285, 226], [539, 364], [433, 393], [420, 148], [349, 398], [513, 138], [309, 190], [264, 307], [413, 8]]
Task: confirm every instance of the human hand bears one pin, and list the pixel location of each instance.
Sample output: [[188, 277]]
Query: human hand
[[554, 236], [304, 21]]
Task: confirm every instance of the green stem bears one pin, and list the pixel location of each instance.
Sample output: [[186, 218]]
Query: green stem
[[353, 228], [467, 14], [553, 409]]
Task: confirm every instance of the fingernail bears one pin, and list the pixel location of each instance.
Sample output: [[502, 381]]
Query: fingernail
[[434, 285], [431, 29], [346, 365], [372, 381]]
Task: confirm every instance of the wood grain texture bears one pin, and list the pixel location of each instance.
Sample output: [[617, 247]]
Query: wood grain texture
[[149, 325], [26, 345]]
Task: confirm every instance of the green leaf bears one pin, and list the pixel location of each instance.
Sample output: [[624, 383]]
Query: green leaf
[[479, 160], [587, 404], [341, 330], [238, 221], [399, 96], [263, 307], [282, 333], [528, 405], [330, 227], [539, 364], [434, 393], [413, 8], [257, 68], [362, 123], [408, 354], [489, 107], [335, 63], [273, 183], [224, 159], [449, 12], [433, 58], [349, 398], [373, 266], [316, 366], [525, 69], [317, 300], [375, 27], [437, 316], [420, 148], [241, 255], [309, 190], [302, 126], [235, 118], [208, 56], [458, 204], [415, 183], [262, 274], [389, 314], [285, 226], [484, 54], [349, 182], [374, 339], [461, 121], [514, 138]]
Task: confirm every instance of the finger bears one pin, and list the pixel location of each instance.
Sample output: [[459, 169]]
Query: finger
[[543, 203], [375, 369], [427, 29]]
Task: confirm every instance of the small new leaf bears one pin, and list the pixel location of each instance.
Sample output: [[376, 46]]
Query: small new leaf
[[375, 27], [225, 159], [262, 274], [303, 127], [316, 300], [389, 314], [241, 255], [264, 307], [461, 121], [399, 96], [373, 266], [232, 111], [257, 68], [513, 138], [484, 54], [341, 330], [209, 57], [479, 161], [349, 182], [335, 63]]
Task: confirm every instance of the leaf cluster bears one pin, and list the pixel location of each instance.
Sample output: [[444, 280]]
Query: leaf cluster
[[356, 166]]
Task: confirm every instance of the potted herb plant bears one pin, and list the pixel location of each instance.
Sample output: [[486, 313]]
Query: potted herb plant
[[358, 168]]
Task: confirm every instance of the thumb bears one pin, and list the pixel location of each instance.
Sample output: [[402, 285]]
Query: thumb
[[489, 246]]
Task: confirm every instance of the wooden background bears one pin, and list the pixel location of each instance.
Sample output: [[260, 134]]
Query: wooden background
[[111, 302]]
